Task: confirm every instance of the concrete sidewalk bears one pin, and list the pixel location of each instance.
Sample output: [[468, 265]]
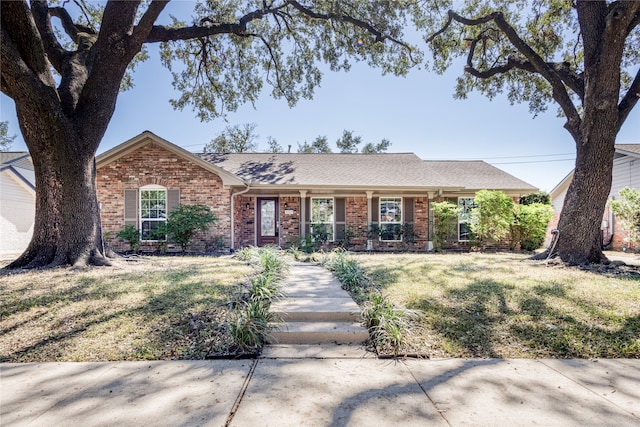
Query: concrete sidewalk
[[332, 391], [322, 385]]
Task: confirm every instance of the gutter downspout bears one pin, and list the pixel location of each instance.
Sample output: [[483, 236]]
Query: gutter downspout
[[233, 218]]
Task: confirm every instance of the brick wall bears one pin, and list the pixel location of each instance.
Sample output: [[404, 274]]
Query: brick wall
[[289, 222], [244, 232], [151, 164]]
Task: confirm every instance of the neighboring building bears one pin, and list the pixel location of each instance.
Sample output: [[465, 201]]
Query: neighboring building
[[626, 173], [267, 198], [17, 202]]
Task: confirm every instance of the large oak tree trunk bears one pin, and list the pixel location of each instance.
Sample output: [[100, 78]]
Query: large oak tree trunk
[[67, 227]]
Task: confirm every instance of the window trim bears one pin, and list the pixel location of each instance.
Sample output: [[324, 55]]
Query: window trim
[[333, 216], [462, 217], [381, 223], [141, 220]]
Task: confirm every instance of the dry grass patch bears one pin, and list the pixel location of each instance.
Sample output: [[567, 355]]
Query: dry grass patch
[[152, 308], [501, 305]]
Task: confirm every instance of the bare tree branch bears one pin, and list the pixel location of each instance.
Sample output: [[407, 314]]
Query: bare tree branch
[[19, 28], [629, 101], [54, 50], [380, 37], [556, 76], [145, 25]]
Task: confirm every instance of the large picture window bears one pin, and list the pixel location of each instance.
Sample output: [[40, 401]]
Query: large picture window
[[153, 210], [465, 204], [322, 216], [391, 218]]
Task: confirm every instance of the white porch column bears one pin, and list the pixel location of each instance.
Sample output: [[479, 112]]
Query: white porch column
[[369, 207], [303, 212]]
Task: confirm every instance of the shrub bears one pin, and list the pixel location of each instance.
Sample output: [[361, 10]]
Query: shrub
[[627, 210], [445, 216], [185, 220], [131, 235], [492, 218], [530, 224]]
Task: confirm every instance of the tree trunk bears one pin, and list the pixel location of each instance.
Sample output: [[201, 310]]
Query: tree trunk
[[67, 227], [579, 239]]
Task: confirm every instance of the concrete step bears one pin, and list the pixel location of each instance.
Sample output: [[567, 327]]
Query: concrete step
[[318, 333], [316, 309]]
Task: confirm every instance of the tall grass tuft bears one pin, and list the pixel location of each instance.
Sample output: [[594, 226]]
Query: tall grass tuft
[[388, 326]]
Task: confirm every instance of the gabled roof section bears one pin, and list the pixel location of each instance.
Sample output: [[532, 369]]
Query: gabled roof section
[[628, 150], [405, 170], [478, 175], [20, 166], [621, 150], [148, 137]]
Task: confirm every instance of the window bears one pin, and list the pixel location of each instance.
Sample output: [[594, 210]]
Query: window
[[465, 204], [153, 210], [391, 218], [322, 217]]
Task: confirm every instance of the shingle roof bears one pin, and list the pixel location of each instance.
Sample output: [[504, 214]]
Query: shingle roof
[[477, 175], [363, 170], [633, 148], [304, 169]]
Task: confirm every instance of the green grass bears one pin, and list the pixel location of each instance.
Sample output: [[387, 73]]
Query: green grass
[[154, 308], [501, 305]]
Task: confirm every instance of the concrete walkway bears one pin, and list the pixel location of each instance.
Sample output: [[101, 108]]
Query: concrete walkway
[[322, 385]]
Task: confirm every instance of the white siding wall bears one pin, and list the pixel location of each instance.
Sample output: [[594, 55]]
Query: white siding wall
[[626, 173], [17, 213]]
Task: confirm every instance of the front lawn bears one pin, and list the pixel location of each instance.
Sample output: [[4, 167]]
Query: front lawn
[[152, 308], [501, 305]]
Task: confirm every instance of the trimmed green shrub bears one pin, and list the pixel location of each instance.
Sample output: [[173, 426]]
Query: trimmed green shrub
[[186, 220], [530, 224], [627, 211], [492, 218], [445, 219], [131, 235]]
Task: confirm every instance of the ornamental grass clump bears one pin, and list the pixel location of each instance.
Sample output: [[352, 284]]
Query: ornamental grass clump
[[389, 326], [250, 325]]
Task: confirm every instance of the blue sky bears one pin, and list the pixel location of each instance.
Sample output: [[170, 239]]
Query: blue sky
[[416, 113]]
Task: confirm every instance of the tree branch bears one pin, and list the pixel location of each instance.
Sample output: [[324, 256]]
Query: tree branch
[[380, 37], [72, 29], [19, 27], [629, 101], [554, 75], [54, 49], [145, 25]]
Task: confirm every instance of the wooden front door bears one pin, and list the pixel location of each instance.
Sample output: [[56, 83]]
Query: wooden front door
[[267, 221]]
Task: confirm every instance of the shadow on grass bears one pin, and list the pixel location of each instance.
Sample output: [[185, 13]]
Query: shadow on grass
[[126, 316], [542, 321]]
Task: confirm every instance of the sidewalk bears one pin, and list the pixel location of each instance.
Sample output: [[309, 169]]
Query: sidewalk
[[323, 392], [322, 385]]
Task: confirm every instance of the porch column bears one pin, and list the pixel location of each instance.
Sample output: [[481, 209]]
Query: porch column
[[303, 213], [369, 207]]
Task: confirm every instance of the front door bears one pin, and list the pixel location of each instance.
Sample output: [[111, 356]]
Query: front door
[[267, 221]]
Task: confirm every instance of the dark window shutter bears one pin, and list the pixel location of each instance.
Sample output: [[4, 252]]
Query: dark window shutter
[[408, 209], [173, 199], [375, 209], [340, 209], [340, 232], [131, 216]]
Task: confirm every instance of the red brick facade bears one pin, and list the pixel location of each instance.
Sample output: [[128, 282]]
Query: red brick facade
[[199, 183], [151, 164]]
